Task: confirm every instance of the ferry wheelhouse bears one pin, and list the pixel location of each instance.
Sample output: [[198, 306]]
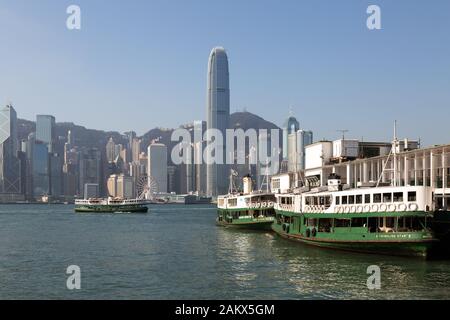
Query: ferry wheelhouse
[[249, 209], [111, 205]]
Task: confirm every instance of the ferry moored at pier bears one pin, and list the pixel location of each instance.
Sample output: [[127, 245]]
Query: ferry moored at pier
[[248, 209]]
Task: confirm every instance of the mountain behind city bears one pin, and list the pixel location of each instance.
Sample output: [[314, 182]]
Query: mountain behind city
[[93, 138]]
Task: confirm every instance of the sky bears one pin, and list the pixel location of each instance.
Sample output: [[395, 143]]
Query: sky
[[140, 64]]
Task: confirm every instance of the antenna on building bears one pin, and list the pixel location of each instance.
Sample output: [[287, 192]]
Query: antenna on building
[[343, 131]]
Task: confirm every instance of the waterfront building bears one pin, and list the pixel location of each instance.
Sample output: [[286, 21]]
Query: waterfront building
[[45, 131], [297, 142], [290, 126], [125, 189], [90, 167], [40, 169], [112, 185], [157, 165], [10, 174], [135, 150], [56, 179], [110, 150], [91, 190], [172, 180], [218, 117]]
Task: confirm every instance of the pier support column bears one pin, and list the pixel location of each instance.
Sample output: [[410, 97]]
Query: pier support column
[[406, 171], [424, 169], [415, 169], [365, 172], [444, 179], [349, 174], [432, 171]]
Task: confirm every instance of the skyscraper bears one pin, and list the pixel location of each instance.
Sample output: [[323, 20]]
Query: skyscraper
[[45, 131], [157, 165], [290, 126], [9, 162], [218, 117]]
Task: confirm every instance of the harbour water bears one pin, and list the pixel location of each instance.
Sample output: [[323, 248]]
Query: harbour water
[[177, 252]]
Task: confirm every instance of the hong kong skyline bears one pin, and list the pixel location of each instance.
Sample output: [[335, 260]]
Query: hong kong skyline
[[318, 60]]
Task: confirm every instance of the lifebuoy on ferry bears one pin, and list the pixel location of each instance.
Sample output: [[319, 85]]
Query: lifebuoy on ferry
[[359, 209], [413, 206], [383, 207], [367, 208], [264, 204], [374, 208], [347, 209], [336, 209], [392, 207], [353, 209], [402, 207]]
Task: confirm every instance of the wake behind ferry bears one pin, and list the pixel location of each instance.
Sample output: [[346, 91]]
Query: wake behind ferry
[[111, 205]]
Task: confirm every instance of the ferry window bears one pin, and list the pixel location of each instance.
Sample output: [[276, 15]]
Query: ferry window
[[337, 200], [390, 222], [387, 197], [342, 223], [307, 201], [351, 199], [321, 201], [324, 225], [367, 198], [372, 223], [412, 196], [327, 201], [359, 222], [418, 223], [377, 198], [398, 196], [344, 199], [359, 198], [311, 222]]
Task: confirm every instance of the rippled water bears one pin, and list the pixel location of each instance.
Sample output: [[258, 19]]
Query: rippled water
[[177, 252]]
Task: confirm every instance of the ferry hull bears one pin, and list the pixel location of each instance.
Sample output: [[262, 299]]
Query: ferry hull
[[251, 225], [441, 227], [413, 248], [112, 209], [254, 219]]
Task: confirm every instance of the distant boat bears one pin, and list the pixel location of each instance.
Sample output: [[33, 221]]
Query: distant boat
[[111, 205]]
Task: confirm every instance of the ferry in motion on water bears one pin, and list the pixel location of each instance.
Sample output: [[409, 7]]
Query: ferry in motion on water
[[383, 216], [112, 205], [248, 209]]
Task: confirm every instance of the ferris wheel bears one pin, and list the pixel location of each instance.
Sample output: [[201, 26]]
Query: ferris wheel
[[146, 188]]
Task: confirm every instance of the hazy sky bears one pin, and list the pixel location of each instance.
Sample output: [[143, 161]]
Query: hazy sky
[[136, 64]]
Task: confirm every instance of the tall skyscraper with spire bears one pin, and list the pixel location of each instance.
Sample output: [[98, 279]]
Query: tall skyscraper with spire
[[218, 117]]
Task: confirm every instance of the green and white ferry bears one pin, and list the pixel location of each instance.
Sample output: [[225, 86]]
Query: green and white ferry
[[249, 209], [111, 205], [383, 220], [377, 218]]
